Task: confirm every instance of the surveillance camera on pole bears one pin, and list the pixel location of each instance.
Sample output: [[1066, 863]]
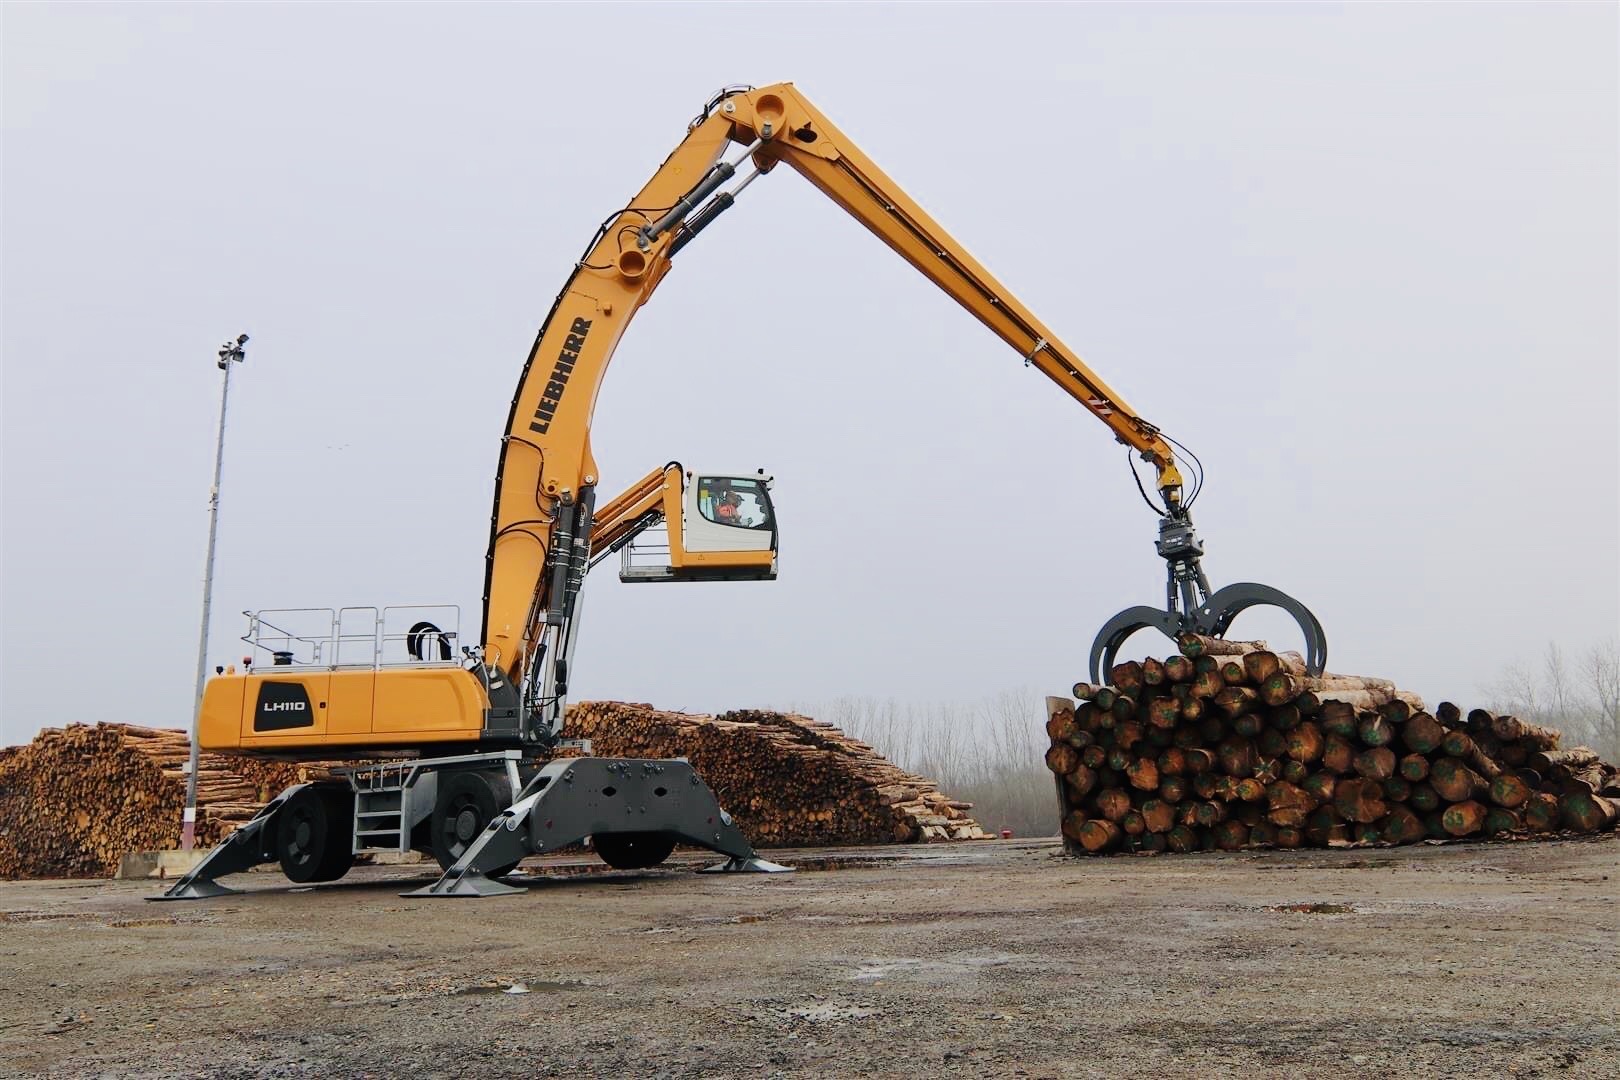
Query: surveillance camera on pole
[[229, 353]]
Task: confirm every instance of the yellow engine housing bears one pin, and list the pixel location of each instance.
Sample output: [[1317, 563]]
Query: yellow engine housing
[[327, 713]]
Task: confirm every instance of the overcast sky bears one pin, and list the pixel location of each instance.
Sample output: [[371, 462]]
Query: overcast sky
[[1362, 259]]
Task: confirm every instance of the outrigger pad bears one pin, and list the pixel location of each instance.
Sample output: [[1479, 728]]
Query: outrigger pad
[[470, 884], [195, 890], [244, 849], [573, 798], [756, 865]]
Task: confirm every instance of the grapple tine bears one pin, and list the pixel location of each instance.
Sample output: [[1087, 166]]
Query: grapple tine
[[1191, 606], [1121, 626]]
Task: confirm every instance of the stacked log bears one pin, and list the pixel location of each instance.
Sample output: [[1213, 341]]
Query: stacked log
[[788, 780], [75, 800], [1229, 745]]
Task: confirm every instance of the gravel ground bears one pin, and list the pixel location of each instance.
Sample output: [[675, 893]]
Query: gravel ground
[[987, 959]]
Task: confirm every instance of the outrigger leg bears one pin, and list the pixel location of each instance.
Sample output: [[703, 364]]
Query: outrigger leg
[[620, 803], [247, 847]]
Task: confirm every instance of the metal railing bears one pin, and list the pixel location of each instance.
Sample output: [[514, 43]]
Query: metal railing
[[357, 637], [649, 550]]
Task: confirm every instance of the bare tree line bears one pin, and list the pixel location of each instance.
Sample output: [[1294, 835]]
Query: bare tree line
[[1579, 697], [988, 752]]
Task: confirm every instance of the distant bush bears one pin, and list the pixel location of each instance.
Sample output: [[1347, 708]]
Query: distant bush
[[1580, 698]]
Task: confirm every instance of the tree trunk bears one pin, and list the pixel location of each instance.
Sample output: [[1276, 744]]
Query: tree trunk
[[1423, 734], [1509, 791], [1099, 835], [1589, 813], [1455, 781], [1359, 800], [1375, 764], [1464, 818], [1196, 645]]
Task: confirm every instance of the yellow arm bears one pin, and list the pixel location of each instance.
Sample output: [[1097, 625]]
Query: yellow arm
[[654, 496], [547, 475]]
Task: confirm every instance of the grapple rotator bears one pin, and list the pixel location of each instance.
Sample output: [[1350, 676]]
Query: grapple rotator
[[1191, 606]]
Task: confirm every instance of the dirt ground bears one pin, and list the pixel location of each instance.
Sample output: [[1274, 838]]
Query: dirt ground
[[987, 959]]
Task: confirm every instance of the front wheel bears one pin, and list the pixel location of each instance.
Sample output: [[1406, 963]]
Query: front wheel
[[314, 840], [633, 851]]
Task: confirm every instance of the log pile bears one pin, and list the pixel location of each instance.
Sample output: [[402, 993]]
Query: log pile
[[1229, 745], [77, 799], [788, 780]]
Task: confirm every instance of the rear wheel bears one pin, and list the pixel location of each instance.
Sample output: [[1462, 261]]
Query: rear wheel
[[633, 851], [467, 803], [313, 835]]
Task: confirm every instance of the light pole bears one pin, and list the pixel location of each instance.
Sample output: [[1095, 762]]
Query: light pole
[[229, 353]]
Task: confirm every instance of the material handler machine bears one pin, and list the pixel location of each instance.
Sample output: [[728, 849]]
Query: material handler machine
[[466, 737]]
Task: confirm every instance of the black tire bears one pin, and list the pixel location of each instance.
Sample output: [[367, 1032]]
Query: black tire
[[339, 858], [467, 802], [633, 850], [313, 835]]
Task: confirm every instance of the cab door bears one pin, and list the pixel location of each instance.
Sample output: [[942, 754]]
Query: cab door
[[729, 513]]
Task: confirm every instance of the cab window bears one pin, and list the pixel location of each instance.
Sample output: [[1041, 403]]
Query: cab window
[[734, 501]]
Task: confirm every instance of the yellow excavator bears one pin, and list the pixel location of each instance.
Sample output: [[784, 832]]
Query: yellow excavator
[[358, 681]]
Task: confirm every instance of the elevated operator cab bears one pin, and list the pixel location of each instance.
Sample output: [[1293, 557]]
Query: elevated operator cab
[[722, 528]]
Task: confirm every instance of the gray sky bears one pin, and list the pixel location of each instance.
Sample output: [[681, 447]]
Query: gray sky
[[1362, 259]]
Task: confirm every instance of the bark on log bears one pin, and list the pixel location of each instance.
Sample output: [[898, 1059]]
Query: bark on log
[[1589, 813], [1459, 745], [1196, 645], [1545, 760]]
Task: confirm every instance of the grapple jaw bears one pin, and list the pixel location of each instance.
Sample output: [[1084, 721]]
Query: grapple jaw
[[1191, 606]]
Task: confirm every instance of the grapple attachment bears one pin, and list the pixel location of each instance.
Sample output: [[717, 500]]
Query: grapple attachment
[[1191, 607]]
